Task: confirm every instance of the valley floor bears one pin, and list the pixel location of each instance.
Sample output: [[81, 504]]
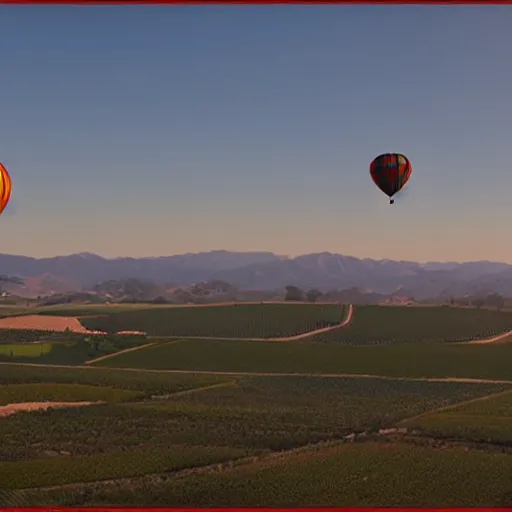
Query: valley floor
[[207, 422]]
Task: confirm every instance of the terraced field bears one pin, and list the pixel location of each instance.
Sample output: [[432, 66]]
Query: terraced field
[[386, 325], [237, 321]]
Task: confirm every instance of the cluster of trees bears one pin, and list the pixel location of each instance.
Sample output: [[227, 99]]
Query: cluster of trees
[[492, 300], [293, 293]]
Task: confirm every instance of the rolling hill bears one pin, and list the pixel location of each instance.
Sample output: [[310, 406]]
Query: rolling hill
[[257, 271]]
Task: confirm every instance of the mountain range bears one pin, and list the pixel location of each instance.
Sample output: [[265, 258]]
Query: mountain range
[[257, 271]]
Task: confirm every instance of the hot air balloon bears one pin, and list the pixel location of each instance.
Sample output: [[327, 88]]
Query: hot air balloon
[[390, 172], [5, 188]]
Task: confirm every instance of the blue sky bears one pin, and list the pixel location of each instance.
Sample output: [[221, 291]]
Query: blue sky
[[155, 130]]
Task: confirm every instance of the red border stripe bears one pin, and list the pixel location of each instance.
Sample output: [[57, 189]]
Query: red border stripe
[[343, 509]]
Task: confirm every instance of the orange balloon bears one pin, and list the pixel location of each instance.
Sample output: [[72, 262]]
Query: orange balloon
[[5, 188]]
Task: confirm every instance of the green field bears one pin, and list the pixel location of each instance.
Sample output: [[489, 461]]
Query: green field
[[6, 311], [255, 414], [97, 309], [50, 348], [485, 361], [483, 421], [261, 435], [384, 325], [63, 470], [147, 383], [370, 474], [237, 321], [48, 353], [93, 309], [18, 393], [8, 336], [22, 350]]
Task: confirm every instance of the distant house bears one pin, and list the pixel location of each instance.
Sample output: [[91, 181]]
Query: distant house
[[398, 301]]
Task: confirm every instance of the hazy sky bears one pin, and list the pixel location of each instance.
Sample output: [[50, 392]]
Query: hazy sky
[[155, 130]]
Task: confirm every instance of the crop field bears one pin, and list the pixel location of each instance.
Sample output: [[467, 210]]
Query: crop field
[[487, 421], [335, 405], [147, 383], [54, 348], [254, 415], [237, 321], [485, 361], [369, 474], [96, 309], [257, 413], [31, 335], [19, 393], [384, 325], [6, 311], [47, 353], [285, 424], [24, 350], [160, 423], [65, 469]]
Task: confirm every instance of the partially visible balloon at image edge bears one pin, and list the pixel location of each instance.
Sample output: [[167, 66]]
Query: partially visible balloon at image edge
[[5, 187]]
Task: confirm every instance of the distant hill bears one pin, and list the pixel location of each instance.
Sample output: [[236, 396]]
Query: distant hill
[[256, 273]]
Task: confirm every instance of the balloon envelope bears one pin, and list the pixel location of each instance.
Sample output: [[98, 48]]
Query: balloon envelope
[[5, 188], [390, 172]]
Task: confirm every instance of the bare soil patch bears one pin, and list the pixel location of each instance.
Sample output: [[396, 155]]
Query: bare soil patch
[[45, 323], [10, 409]]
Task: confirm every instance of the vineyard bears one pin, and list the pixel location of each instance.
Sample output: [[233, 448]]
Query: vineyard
[[31, 335], [485, 361], [256, 414], [237, 321], [161, 423], [19, 393], [79, 310], [483, 421], [145, 383], [261, 434], [364, 475], [60, 347], [63, 470], [385, 325]]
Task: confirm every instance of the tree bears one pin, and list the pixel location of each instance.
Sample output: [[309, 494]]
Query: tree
[[313, 295], [496, 300], [293, 293], [478, 302]]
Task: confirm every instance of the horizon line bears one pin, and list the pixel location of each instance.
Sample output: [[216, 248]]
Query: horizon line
[[282, 256]]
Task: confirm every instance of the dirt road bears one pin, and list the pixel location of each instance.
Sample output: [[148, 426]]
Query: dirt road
[[487, 340], [270, 374]]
